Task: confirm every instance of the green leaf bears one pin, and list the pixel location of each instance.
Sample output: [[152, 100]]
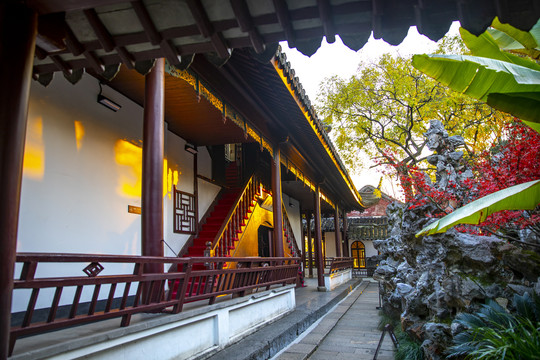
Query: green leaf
[[478, 76], [524, 196], [525, 106], [504, 41], [486, 46], [529, 40]]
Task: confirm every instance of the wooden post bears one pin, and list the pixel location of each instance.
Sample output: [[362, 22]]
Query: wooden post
[[18, 29], [196, 193], [318, 240], [276, 203], [310, 246], [152, 170], [345, 240], [337, 231], [303, 252]]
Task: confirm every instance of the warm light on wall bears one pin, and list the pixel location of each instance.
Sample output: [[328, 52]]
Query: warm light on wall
[[129, 156], [170, 179], [79, 133], [34, 150]]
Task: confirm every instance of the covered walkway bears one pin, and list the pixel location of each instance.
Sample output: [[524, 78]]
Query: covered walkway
[[348, 331], [341, 324]]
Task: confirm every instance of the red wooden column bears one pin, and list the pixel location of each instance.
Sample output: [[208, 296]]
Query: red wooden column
[[310, 247], [152, 170], [318, 240], [337, 231], [303, 250], [18, 29], [345, 240], [276, 203]]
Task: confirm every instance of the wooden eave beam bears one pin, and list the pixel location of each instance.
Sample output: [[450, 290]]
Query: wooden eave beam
[[105, 38], [241, 11], [206, 29], [284, 18], [325, 12]]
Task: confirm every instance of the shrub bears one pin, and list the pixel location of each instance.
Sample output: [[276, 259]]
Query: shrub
[[494, 333]]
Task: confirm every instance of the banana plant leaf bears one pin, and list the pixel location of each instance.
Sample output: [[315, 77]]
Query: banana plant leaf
[[480, 77], [485, 45], [524, 196], [511, 38]]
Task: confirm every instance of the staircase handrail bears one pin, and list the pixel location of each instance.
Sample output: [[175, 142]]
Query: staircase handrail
[[233, 216]]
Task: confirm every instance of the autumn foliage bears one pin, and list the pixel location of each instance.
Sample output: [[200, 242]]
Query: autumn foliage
[[512, 160]]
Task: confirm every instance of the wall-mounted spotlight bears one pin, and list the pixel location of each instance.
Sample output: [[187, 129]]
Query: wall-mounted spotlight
[[105, 101], [190, 148]]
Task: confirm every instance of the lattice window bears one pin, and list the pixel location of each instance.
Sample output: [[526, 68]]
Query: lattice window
[[185, 212]]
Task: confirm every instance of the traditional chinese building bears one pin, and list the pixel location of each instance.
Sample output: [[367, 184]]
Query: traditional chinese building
[[151, 133]]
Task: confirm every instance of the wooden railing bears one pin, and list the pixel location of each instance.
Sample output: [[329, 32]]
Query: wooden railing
[[236, 218], [339, 263], [141, 292]]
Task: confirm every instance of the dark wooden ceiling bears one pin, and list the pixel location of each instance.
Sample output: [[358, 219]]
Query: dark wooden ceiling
[[190, 117], [75, 34]]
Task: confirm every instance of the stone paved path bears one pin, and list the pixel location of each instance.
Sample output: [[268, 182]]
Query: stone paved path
[[348, 332]]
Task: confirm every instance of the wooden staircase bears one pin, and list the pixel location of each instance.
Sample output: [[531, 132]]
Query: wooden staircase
[[223, 228], [218, 216]]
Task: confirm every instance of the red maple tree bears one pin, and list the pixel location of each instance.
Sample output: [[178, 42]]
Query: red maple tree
[[512, 160]]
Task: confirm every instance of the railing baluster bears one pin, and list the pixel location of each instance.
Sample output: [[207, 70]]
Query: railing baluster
[[54, 307], [75, 304], [110, 298], [93, 303], [31, 306], [125, 296]]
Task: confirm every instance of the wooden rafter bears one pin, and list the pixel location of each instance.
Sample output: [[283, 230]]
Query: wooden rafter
[[207, 30], [282, 13], [106, 39], [376, 18], [94, 61], [241, 11], [146, 22], [73, 44], [325, 12], [57, 60]]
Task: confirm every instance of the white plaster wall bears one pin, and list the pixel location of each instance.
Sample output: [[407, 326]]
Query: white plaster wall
[[330, 243], [182, 336], [370, 249], [295, 217], [82, 170]]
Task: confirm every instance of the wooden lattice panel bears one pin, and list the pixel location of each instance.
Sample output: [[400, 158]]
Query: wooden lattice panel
[[185, 212]]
